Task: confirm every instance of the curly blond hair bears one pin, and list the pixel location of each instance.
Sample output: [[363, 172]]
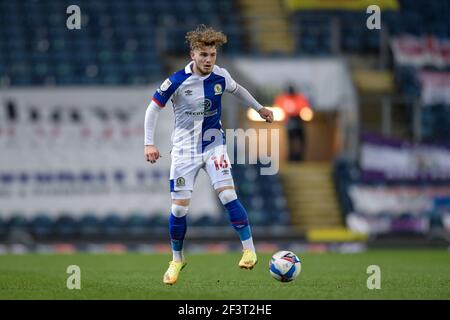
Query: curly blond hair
[[205, 36]]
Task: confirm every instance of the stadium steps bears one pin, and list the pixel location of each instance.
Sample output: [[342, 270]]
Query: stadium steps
[[311, 196], [267, 23]]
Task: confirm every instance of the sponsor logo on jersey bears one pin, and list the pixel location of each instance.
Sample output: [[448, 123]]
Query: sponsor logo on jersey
[[180, 182], [218, 89], [188, 92], [191, 113], [165, 85], [206, 105]]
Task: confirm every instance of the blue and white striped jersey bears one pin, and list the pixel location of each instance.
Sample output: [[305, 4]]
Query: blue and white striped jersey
[[197, 106]]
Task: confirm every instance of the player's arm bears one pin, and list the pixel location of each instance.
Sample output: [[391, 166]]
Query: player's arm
[[245, 97], [151, 118], [159, 100]]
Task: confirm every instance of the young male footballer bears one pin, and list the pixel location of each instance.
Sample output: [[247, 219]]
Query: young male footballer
[[199, 141]]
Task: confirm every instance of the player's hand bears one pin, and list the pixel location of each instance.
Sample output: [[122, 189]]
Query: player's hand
[[151, 153], [266, 114]]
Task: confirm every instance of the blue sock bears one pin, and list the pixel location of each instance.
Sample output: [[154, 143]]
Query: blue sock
[[177, 230], [239, 219]]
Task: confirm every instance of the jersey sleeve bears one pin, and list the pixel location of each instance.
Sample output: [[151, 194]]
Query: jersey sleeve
[[230, 84], [164, 92]]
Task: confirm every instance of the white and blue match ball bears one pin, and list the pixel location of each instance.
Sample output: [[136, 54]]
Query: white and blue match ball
[[285, 266]]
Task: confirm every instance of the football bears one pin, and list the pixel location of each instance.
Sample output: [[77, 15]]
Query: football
[[285, 266]]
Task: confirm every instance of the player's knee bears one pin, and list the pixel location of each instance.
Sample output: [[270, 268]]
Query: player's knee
[[179, 211], [227, 196]]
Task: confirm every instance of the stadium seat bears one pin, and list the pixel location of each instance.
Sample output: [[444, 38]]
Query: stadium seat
[[17, 222], [137, 224], [112, 225], [127, 23], [66, 225], [89, 225], [42, 225], [258, 217], [158, 220], [223, 220], [3, 227], [204, 220]]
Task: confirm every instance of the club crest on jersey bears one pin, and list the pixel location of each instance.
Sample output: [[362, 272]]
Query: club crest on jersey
[[218, 89], [165, 85], [206, 105], [180, 182]]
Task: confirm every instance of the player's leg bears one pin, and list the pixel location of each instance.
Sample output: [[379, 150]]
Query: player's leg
[[177, 222], [182, 176], [239, 220], [218, 167], [177, 231]]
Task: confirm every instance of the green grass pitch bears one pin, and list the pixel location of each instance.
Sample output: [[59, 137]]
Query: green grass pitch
[[405, 274]]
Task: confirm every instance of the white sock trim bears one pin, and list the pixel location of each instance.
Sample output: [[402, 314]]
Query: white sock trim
[[248, 244], [177, 255]]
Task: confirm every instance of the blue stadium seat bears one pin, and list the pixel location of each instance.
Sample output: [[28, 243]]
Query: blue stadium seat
[[17, 221], [66, 225], [7, 178], [223, 219], [3, 226], [42, 225], [89, 225], [112, 224], [137, 224], [204, 220], [258, 217], [126, 21], [158, 220]]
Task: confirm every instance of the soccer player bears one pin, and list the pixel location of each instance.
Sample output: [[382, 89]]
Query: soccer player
[[198, 140]]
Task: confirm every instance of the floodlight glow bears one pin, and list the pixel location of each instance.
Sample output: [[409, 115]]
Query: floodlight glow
[[278, 114], [306, 114]]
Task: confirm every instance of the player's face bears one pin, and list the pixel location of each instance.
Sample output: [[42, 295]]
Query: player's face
[[204, 59]]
